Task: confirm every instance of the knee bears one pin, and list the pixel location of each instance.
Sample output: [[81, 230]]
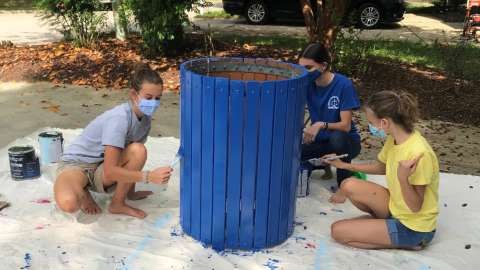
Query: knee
[[349, 185], [338, 140], [68, 203], [137, 150], [338, 232]]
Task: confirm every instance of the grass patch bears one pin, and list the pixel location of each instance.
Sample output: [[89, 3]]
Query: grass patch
[[215, 14], [453, 59], [276, 42], [435, 56], [421, 8], [16, 5]]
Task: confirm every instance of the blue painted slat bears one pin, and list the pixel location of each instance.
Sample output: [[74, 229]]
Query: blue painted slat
[[277, 161], [183, 130], [196, 154], [234, 162], [267, 108], [208, 113], [250, 146], [187, 160], [290, 129], [298, 123], [220, 162]]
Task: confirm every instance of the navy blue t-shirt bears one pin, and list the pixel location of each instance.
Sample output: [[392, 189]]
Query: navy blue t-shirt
[[326, 103]]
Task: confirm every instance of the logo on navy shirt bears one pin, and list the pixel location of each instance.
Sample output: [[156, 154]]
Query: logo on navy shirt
[[334, 103]]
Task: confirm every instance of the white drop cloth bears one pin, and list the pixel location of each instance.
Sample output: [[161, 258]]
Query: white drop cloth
[[35, 235]]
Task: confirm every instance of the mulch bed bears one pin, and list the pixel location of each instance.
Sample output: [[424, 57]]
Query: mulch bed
[[440, 97], [110, 64]]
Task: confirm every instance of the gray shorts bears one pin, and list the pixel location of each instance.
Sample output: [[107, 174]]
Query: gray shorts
[[92, 171]]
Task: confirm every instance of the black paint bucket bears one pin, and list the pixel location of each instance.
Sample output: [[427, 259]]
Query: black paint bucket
[[24, 163]]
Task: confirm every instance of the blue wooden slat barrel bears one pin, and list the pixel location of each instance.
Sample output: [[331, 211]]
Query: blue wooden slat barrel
[[241, 130]]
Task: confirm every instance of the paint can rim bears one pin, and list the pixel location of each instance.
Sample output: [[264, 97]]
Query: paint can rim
[[50, 134], [21, 149]]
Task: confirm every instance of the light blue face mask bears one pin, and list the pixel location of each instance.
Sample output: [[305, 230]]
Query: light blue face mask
[[376, 132], [148, 106]]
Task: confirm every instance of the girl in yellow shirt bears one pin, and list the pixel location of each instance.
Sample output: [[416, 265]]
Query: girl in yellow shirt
[[405, 214]]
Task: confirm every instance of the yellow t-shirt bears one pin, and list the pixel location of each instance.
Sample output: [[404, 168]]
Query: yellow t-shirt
[[427, 173]]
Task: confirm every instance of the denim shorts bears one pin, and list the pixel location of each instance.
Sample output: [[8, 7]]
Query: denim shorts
[[403, 237]]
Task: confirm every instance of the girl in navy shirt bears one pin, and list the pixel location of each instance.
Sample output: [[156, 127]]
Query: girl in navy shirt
[[331, 99]]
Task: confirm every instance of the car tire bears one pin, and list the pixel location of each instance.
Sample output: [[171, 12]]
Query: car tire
[[369, 16], [256, 12]]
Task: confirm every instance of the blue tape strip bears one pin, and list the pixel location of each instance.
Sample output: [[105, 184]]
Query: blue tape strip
[[320, 255], [159, 223]]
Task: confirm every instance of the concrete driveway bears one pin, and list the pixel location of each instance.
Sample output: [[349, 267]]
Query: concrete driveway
[[413, 28], [22, 27], [28, 28], [27, 107]]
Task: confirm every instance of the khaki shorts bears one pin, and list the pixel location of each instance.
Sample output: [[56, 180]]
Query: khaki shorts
[[92, 171]]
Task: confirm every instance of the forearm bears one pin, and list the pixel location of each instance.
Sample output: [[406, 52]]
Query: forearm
[[376, 168], [410, 195]]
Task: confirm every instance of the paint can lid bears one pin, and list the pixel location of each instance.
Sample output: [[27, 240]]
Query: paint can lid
[[16, 150], [50, 134]]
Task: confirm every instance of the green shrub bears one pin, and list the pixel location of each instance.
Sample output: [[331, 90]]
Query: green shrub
[[78, 19], [161, 23], [350, 53]]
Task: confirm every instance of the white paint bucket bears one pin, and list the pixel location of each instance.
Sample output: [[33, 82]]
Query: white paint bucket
[[51, 147]]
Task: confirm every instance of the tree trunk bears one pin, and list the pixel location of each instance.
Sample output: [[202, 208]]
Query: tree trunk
[[119, 20], [323, 19]]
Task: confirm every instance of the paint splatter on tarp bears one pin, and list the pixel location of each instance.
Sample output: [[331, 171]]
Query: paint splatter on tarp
[[272, 264], [28, 261], [225, 253], [42, 201], [41, 227], [175, 232]]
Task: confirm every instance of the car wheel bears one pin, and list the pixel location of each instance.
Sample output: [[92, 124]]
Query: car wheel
[[256, 12], [369, 16]]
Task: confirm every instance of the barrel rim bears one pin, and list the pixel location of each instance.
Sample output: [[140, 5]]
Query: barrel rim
[[183, 67]]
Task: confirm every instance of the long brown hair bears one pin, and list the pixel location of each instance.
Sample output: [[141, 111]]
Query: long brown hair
[[401, 107], [144, 74]]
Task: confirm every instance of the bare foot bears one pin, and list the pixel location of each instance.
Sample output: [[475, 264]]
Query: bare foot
[[124, 209], [88, 204], [328, 173], [138, 195], [338, 197]]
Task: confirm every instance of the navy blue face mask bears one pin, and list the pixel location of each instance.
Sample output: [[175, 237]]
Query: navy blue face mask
[[313, 75]]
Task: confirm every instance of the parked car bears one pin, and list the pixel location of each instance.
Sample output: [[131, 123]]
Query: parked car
[[366, 13]]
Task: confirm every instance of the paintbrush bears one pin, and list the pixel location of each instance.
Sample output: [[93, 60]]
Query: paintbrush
[[177, 159]]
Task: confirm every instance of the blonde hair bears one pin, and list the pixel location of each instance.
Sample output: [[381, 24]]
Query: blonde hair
[[401, 107]]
